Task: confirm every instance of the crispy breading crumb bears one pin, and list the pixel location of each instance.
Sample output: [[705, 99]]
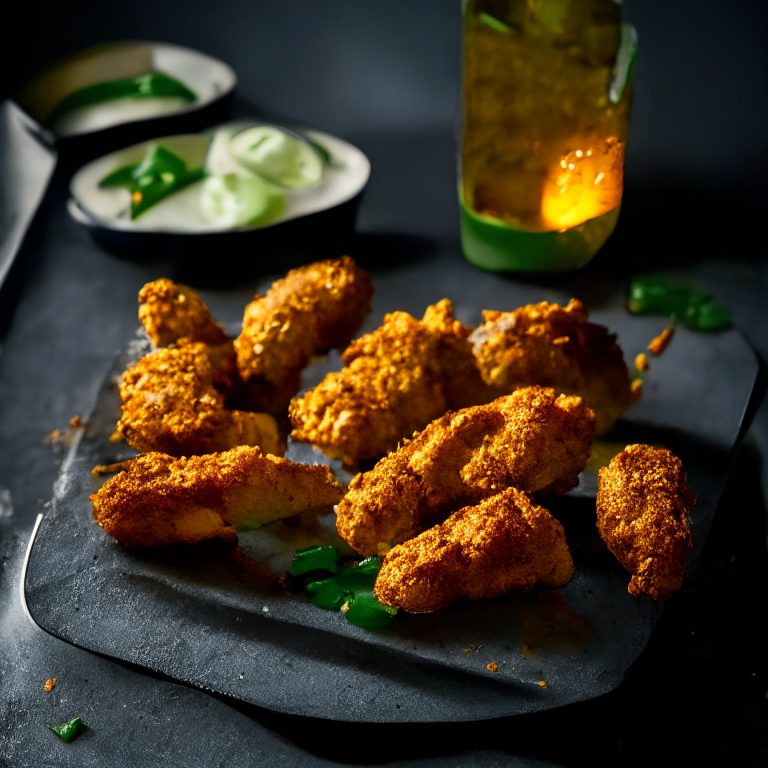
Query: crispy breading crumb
[[637, 389], [641, 362], [107, 469], [345, 607], [116, 437], [542, 684], [493, 667], [55, 437], [49, 684], [659, 344], [75, 422]]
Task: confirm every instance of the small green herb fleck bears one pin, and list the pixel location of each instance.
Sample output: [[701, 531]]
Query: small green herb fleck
[[71, 730]]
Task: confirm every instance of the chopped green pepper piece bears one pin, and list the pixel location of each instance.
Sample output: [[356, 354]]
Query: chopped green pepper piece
[[653, 295], [152, 84], [349, 591], [71, 730], [314, 558], [366, 611], [159, 174]]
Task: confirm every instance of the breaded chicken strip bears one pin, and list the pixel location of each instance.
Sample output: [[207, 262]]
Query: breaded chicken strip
[[532, 440], [395, 381], [557, 347], [172, 313], [158, 499], [312, 310], [170, 404], [643, 502], [504, 543]]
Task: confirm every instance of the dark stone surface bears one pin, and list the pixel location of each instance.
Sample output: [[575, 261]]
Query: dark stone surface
[[194, 620], [384, 76]]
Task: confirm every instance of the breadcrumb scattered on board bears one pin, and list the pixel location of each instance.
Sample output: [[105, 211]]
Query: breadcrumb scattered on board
[[659, 344], [49, 684]]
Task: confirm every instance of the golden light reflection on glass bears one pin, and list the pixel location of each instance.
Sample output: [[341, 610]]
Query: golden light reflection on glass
[[584, 184]]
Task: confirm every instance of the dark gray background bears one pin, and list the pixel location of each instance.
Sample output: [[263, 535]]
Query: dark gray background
[[355, 68], [385, 76]]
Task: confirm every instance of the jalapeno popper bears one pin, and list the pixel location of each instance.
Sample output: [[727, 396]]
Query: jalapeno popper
[[533, 440], [643, 501], [505, 543], [157, 499]]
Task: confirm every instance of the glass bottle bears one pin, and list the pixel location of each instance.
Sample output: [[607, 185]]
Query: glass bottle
[[545, 118]]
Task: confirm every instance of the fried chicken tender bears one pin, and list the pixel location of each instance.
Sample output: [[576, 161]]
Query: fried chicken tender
[[555, 346], [504, 543], [395, 381], [643, 502], [172, 313], [171, 404], [312, 310], [159, 499], [533, 440]]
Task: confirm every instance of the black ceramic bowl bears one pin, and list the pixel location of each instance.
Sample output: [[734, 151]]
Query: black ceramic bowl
[[98, 131], [318, 221]]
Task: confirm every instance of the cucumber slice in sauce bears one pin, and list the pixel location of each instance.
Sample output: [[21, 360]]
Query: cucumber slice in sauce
[[276, 155], [238, 201]]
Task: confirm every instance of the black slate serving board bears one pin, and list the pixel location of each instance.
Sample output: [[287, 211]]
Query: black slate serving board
[[216, 619]]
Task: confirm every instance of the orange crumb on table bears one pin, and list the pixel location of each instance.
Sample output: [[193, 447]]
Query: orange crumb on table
[[659, 344], [641, 362], [345, 607], [493, 667], [75, 422], [106, 469], [115, 437], [542, 684], [49, 684], [636, 389]]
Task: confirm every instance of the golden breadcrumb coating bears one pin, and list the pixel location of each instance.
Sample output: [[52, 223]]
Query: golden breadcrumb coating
[[170, 404], [533, 440], [504, 543], [159, 499], [395, 381], [643, 502], [312, 310], [557, 347], [172, 313]]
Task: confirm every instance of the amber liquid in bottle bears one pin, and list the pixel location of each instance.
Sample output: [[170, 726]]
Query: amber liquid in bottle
[[542, 142]]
